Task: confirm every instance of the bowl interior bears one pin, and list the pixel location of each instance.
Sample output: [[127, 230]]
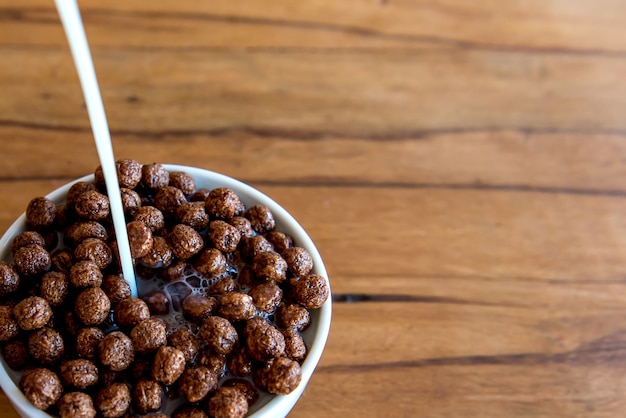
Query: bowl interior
[[315, 336]]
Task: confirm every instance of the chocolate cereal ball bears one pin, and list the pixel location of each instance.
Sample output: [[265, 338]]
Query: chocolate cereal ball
[[78, 231], [41, 387], [116, 351], [243, 226], [257, 244], [116, 288], [213, 361], [95, 250], [223, 286], [295, 348], [186, 341], [174, 272], [183, 181], [128, 173], [158, 302], [154, 176], [15, 353], [92, 206], [131, 311], [210, 263], [236, 306], [9, 279], [224, 236], [193, 214], [32, 313], [63, 261], [223, 203], [76, 405], [245, 387], [269, 265], [168, 365], [292, 315], [149, 335], [92, 306], [46, 346], [9, 328], [197, 383], [160, 255], [299, 261], [200, 195], [261, 218], [76, 190], [266, 297], [150, 216], [131, 201], [54, 287], [139, 238], [113, 401], [263, 340], [147, 395], [196, 308], [187, 411], [168, 199], [185, 241], [87, 341], [283, 375], [219, 335], [32, 260], [310, 291], [279, 240], [239, 363], [40, 213], [228, 402], [26, 238], [79, 373], [85, 273]]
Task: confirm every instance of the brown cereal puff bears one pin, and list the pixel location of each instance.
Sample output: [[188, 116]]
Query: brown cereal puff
[[32, 313], [113, 401], [92, 306], [46, 346], [40, 213], [76, 190], [196, 308], [154, 176], [131, 201], [168, 199], [219, 335], [85, 273], [54, 287], [223, 203], [199, 195], [279, 240], [236, 306], [79, 373], [65, 216], [197, 383], [213, 361], [243, 226], [223, 286], [15, 353], [239, 363], [224, 236], [41, 387], [80, 230], [186, 341], [98, 175], [283, 376], [147, 395], [193, 214], [131, 311], [26, 238], [108, 377], [295, 348], [160, 255], [185, 241], [264, 342], [76, 405], [116, 351], [168, 365], [116, 288], [9, 328], [183, 181], [292, 315], [92, 206], [9, 279], [158, 302], [257, 244], [174, 272], [210, 263], [269, 265], [228, 402], [261, 218], [128, 173], [139, 239], [299, 261], [32, 260], [187, 411], [245, 387], [150, 216], [87, 341], [266, 297], [63, 261], [96, 250], [149, 335], [310, 291]]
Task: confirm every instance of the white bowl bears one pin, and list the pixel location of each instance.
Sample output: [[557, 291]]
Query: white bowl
[[268, 406]]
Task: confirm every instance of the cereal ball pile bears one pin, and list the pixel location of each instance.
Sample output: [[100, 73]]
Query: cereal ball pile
[[224, 298]]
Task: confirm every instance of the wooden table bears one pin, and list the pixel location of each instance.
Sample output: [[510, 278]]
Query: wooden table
[[461, 166]]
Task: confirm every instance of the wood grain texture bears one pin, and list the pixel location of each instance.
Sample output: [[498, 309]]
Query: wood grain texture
[[460, 166]]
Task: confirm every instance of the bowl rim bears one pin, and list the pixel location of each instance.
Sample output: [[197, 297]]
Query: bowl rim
[[278, 404]]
